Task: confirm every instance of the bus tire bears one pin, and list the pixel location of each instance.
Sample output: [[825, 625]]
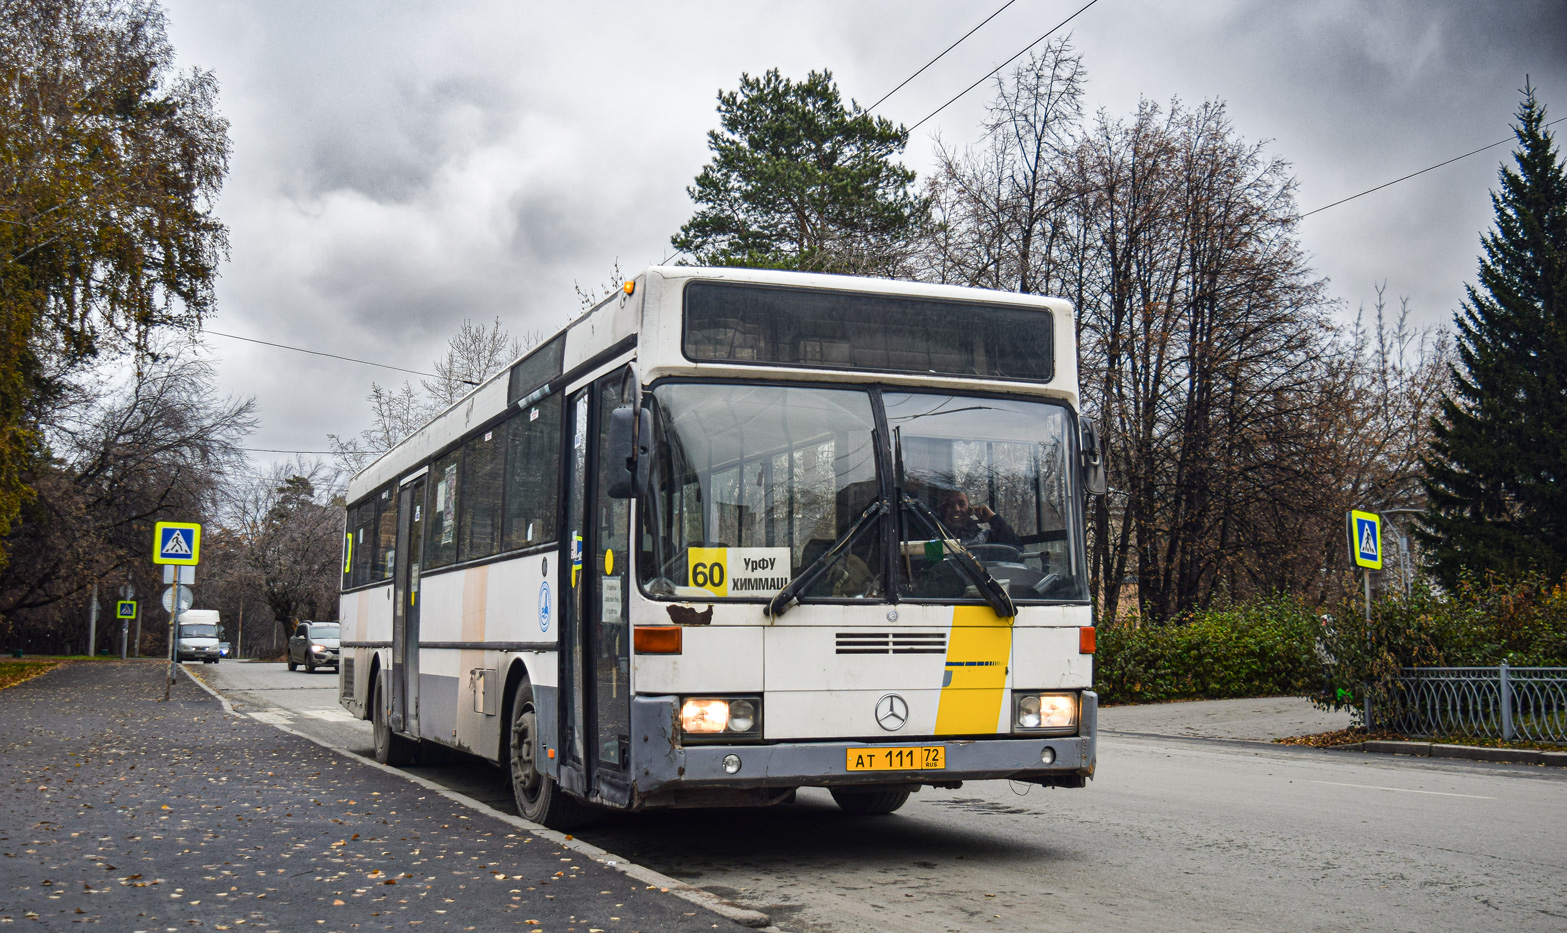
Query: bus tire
[[390, 748], [868, 801], [539, 798]]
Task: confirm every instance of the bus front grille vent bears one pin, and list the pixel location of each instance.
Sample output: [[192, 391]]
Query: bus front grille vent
[[892, 643]]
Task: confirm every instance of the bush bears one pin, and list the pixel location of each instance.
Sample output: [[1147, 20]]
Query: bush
[[1263, 648], [1484, 622], [1282, 647]]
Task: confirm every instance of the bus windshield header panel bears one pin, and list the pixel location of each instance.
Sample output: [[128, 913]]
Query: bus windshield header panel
[[769, 325]]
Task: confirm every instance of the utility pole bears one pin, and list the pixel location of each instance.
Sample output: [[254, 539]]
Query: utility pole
[[92, 622], [1406, 564]]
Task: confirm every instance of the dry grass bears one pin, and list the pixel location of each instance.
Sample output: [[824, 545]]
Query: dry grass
[[1355, 735], [14, 672]]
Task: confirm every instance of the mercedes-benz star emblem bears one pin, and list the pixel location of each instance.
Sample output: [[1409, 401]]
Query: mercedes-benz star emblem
[[892, 711]]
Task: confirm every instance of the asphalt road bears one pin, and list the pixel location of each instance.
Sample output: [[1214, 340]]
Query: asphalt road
[[1185, 828]]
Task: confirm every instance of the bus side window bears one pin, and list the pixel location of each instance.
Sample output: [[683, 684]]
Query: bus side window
[[483, 464], [440, 537], [386, 537], [532, 474]]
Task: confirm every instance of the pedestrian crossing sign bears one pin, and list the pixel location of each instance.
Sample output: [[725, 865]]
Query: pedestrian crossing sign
[[176, 543], [125, 609], [1365, 539]]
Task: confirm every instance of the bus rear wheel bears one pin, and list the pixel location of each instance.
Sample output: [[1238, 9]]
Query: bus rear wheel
[[871, 801], [539, 798]]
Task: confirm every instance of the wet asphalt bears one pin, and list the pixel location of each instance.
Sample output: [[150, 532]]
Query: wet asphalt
[[126, 813]]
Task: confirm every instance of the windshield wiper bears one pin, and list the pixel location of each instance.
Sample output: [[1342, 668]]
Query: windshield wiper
[[785, 597], [989, 587]]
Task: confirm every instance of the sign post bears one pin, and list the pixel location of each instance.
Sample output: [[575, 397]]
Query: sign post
[[1365, 545], [125, 611], [179, 544]]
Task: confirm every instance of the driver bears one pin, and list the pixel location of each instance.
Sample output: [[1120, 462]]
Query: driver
[[973, 524]]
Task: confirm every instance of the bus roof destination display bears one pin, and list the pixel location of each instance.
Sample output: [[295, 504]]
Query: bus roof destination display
[[815, 329]]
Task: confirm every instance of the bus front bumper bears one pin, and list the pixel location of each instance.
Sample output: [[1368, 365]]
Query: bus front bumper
[[661, 764]]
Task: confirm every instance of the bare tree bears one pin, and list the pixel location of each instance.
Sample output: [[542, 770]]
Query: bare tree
[[473, 354], [588, 298], [280, 543], [998, 206], [126, 450]]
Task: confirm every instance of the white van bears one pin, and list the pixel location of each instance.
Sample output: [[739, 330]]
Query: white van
[[198, 636]]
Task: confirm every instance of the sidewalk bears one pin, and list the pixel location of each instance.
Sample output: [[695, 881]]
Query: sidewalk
[[1257, 720], [122, 811]]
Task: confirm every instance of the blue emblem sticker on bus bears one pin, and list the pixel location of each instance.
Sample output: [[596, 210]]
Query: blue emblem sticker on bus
[[544, 606]]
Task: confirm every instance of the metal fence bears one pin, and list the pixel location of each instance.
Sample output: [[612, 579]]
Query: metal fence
[[1528, 703]]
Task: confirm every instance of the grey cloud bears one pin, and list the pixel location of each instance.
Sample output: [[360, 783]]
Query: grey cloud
[[401, 167]]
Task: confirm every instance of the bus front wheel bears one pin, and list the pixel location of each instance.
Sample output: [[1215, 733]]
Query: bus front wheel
[[390, 748], [539, 798], [871, 801]]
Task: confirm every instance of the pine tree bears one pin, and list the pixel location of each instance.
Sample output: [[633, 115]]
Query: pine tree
[[1496, 471], [799, 181]]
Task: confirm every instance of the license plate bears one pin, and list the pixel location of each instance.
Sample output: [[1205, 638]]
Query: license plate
[[908, 758]]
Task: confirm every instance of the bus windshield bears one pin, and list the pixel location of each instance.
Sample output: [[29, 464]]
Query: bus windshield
[[773, 475], [198, 630], [752, 484], [994, 474]]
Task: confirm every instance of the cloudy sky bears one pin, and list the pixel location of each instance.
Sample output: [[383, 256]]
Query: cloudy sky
[[399, 167]]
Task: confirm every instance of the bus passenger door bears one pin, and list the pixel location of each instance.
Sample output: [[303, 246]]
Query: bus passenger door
[[596, 644], [405, 609], [609, 638]]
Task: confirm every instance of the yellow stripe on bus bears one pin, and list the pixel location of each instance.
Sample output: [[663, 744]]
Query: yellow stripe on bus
[[975, 683]]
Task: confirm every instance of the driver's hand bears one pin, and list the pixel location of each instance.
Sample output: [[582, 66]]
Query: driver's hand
[[984, 513]]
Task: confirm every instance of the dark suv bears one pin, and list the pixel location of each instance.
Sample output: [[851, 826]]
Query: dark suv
[[313, 644]]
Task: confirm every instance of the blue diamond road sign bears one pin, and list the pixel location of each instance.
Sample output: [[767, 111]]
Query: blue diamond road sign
[[176, 543], [1365, 539]]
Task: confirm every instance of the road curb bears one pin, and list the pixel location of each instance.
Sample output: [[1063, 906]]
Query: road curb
[[694, 895], [1520, 756]]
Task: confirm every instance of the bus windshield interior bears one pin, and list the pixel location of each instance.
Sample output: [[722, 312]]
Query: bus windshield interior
[[198, 630], [994, 474], [777, 472]]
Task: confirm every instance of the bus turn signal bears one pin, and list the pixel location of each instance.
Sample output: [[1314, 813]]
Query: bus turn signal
[[1085, 640], [656, 639]]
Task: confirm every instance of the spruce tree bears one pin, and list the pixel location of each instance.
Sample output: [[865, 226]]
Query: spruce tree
[[1496, 469], [798, 180]]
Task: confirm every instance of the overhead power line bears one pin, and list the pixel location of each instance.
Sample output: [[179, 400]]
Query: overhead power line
[[1002, 65], [350, 359], [938, 57], [1421, 172], [276, 450]]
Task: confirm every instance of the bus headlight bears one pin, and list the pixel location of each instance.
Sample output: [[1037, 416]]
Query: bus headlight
[[721, 717], [1045, 712]]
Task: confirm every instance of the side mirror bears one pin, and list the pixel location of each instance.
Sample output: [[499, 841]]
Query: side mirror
[[1095, 480], [628, 451]]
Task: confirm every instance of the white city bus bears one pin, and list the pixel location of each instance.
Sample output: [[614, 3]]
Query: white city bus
[[732, 533]]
